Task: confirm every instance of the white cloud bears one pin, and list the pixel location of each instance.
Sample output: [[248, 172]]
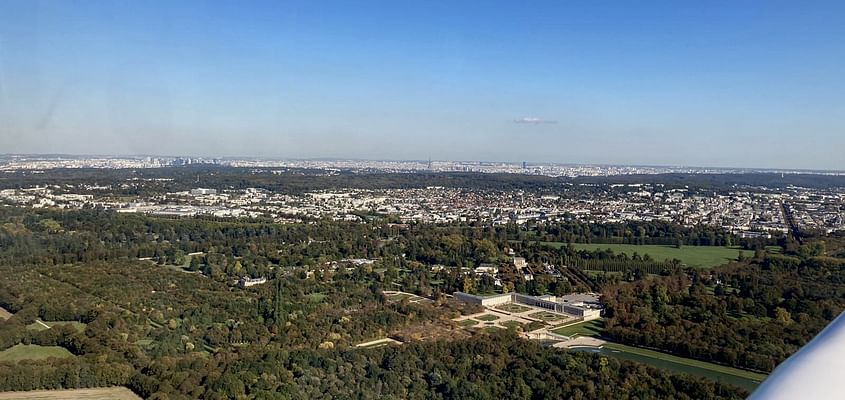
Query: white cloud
[[533, 120]]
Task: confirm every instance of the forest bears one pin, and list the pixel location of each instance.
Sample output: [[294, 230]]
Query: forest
[[158, 310], [752, 314], [175, 326]]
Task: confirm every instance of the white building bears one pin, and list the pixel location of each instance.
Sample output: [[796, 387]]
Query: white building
[[580, 309], [203, 191], [247, 282]]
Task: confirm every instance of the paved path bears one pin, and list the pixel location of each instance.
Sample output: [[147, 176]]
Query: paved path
[[42, 324], [580, 341], [378, 341]]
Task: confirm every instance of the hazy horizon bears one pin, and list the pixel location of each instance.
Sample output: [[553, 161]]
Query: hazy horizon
[[716, 84]]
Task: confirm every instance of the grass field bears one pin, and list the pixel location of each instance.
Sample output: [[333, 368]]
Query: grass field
[[487, 317], [315, 297], [590, 328], [4, 315], [468, 322], [40, 326], [114, 393], [511, 324], [746, 379], [33, 352], [398, 297], [694, 256]]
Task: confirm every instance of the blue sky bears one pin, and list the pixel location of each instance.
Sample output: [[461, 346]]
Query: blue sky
[[733, 83]]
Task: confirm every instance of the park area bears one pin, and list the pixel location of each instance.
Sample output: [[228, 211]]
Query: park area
[[589, 328], [112, 393], [694, 256]]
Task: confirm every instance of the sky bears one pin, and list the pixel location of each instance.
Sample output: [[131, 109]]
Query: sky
[[701, 83]]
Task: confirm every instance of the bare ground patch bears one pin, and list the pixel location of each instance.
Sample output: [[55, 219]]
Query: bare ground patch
[[113, 393]]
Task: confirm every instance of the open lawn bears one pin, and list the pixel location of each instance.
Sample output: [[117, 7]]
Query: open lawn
[[315, 297], [114, 393], [487, 317], [33, 352], [590, 328], [694, 256], [39, 325], [399, 296], [4, 315], [468, 322], [510, 324]]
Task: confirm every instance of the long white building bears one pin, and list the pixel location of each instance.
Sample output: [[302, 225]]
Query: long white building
[[576, 309]]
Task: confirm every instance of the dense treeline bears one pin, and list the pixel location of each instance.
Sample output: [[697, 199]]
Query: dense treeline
[[293, 180], [751, 314], [501, 367], [632, 232], [288, 180], [74, 373]]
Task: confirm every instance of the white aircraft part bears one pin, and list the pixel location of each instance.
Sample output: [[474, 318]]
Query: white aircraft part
[[814, 372]]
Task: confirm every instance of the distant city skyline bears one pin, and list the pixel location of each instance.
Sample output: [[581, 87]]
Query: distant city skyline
[[531, 164], [712, 84]]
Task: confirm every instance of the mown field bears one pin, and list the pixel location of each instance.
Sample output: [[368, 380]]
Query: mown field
[[113, 393], [32, 352], [694, 256], [589, 328]]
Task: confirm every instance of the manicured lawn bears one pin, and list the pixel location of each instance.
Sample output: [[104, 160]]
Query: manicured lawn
[[468, 322], [589, 328], [487, 317], [694, 256], [33, 352], [399, 296], [510, 324], [315, 297]]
